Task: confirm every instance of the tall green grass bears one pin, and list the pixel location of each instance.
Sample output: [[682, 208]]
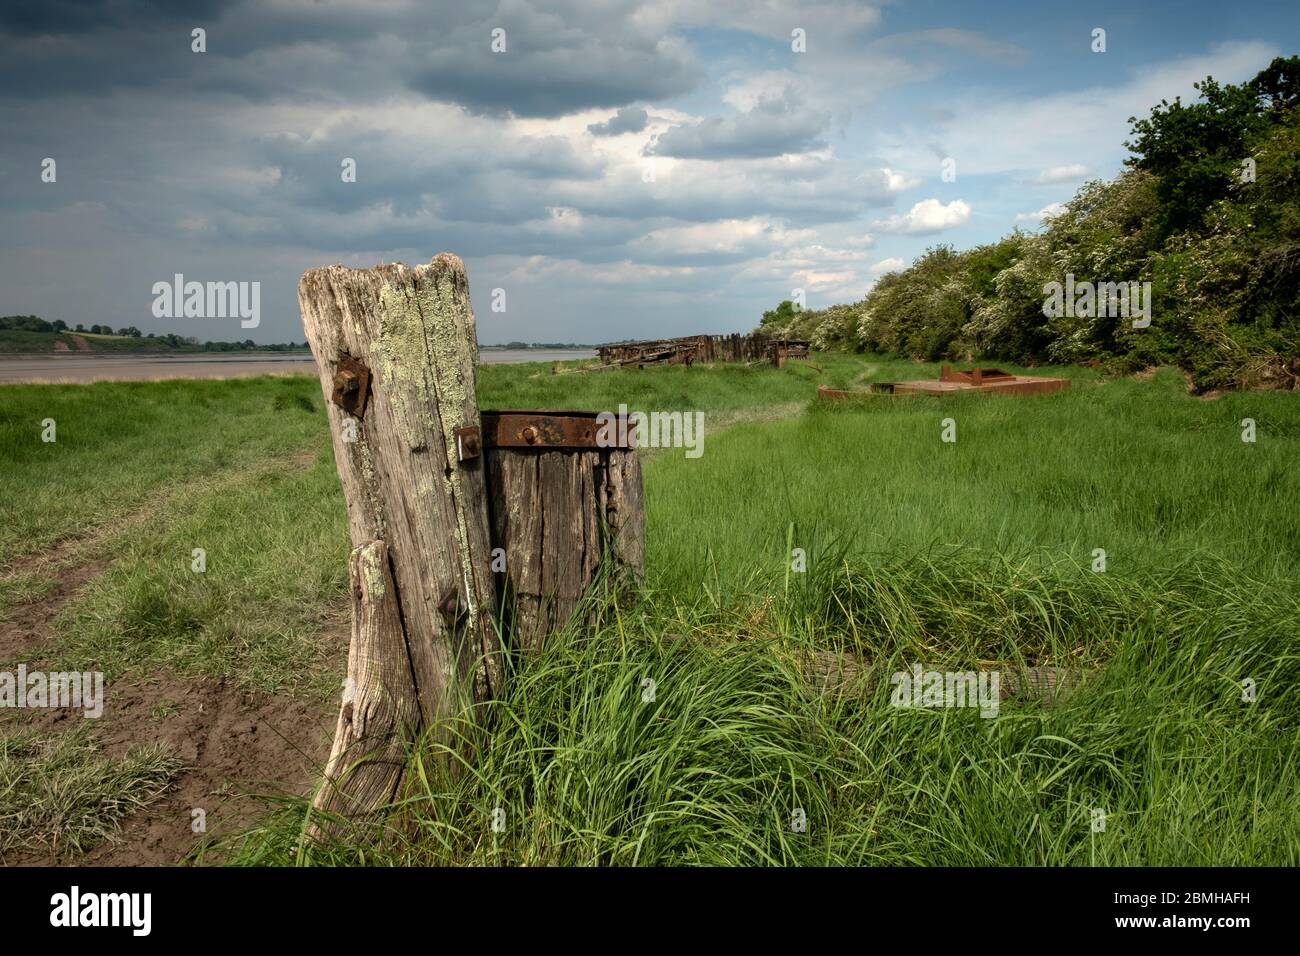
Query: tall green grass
[[123, 446], [712, 770], [977, 555], [716, 389], [974, 555], [1138, 469]]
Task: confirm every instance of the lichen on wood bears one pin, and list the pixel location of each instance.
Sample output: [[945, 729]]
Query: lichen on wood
[[402, 480]]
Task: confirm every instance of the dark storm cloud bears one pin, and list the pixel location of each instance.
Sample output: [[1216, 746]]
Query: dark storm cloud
[[627, 120], [28, 18], [545, 80], [494, 178], [555, 61], [556, 57], [774, 127], [227, 164]]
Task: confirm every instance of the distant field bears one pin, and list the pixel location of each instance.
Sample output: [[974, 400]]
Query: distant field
[[17, 341], [20, 342], [973, 554]]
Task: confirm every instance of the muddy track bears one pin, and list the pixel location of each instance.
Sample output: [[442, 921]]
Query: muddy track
[[236, 743], [29, 625], [75, 561], [238, 746]]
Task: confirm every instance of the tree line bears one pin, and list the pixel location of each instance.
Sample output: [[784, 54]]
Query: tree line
[[1206, 209], [170, 340]]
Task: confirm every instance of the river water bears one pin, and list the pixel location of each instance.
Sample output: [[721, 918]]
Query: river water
[[103, 366]]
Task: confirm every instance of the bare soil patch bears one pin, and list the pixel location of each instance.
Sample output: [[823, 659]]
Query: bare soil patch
[[28, 624], [237, 745]]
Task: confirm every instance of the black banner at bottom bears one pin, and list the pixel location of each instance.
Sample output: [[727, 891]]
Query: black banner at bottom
[[215, 905]]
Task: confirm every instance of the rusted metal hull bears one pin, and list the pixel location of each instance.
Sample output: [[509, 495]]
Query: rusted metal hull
[[978, 381], [703, 348], [839, 394], [1012, 385]]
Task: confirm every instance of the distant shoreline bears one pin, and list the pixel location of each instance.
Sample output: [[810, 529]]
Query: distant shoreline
[[205, 353], [82, 367], [538, 348], [165, 353]]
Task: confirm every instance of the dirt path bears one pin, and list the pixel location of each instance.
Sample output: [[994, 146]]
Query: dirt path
[[73, 562], [29, 624], [71, 546], [235, 743]]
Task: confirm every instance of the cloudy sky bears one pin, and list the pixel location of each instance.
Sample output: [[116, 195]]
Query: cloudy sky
[[619, 169]]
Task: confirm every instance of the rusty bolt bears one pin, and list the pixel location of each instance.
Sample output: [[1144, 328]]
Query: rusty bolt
[[530, 435], [468, 442], [450, 610], [351, 385]]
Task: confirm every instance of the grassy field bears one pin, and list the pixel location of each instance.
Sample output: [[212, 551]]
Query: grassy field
[[977, 554]]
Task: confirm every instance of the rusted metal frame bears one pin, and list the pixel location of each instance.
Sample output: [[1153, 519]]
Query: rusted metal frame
[[975, 376], [1008, 385], [550, 430]]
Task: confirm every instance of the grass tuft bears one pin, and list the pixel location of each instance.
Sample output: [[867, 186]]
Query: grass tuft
[[736, 740], [60, 792]]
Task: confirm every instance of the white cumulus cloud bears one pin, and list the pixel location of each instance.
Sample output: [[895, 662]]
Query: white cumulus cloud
[[929, 215], [897, 182], [1049, 211], [1062, 174]]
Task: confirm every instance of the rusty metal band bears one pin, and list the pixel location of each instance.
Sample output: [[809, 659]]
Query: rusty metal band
[[557, 430]]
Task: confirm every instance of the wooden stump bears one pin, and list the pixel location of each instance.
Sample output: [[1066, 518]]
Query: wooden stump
[[380, 704], [396, 350], [566, 511]]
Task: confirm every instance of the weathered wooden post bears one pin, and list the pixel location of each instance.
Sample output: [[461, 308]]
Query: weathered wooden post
[[396, 350], [566, 508]]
